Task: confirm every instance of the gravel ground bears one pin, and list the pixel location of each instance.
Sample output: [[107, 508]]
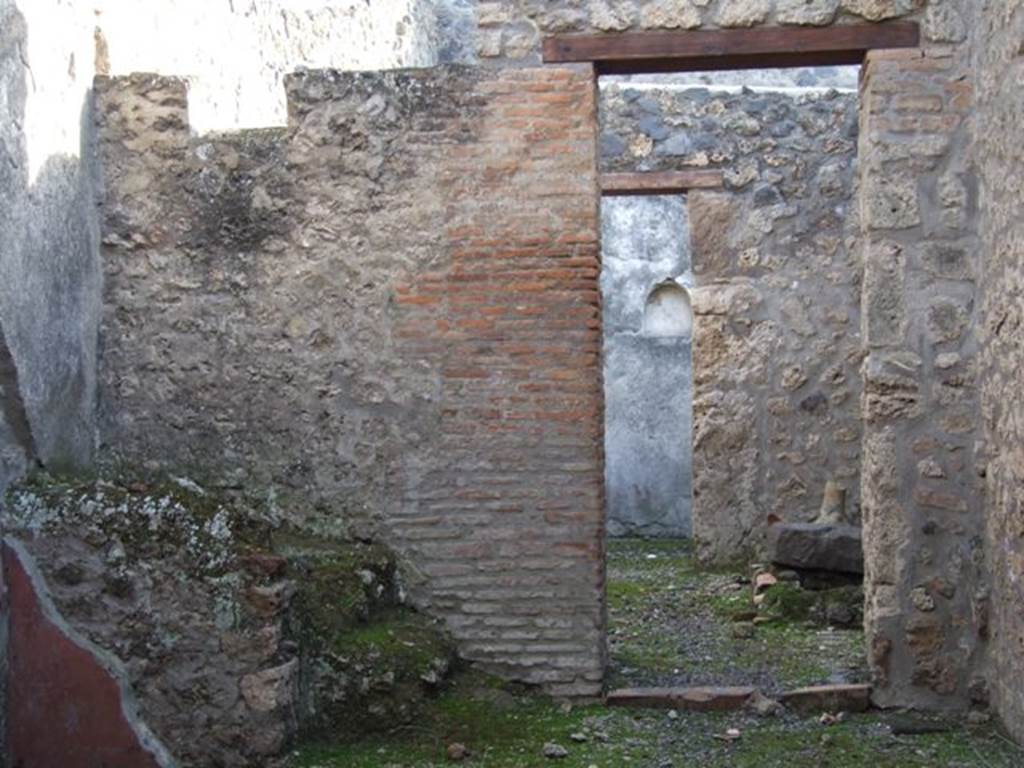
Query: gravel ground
[[671, 623]]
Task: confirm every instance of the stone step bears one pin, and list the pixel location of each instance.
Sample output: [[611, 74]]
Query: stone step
[[692, 699], [829, 698], [813, 699]]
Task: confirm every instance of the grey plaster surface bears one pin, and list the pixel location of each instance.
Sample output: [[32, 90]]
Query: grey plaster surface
[[49, 263], [648, 377]]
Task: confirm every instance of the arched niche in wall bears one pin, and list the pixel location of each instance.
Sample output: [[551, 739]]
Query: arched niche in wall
[[667, 313]]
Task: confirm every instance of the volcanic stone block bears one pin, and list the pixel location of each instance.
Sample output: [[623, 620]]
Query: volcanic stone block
[[817, 546]]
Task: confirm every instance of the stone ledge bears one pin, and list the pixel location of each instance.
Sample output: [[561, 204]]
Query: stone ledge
[[700, 699], [829, 698]]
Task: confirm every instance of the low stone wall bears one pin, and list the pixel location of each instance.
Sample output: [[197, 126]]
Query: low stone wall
[[776, 294], [999, 62], [387, 315], [227, 633]]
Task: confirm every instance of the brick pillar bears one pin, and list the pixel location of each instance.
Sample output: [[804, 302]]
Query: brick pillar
[[507, 521]]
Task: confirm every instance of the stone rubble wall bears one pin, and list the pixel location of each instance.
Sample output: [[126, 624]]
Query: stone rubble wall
[[776, 295], [839, 77], [237, 52], [512, 30], [388, 314], [998, 33], [922, 495]]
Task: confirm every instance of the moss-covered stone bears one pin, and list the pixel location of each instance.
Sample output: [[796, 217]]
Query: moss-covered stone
[[143, 521], [376, 677], [788, 601], [839, 606], [369, 661], [181, 559]]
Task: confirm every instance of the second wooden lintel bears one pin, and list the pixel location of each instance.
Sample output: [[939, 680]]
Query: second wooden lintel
[[658, 183]]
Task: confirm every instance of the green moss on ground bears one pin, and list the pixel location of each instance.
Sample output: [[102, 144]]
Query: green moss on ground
[[339, 583], [648, 597], [498, 727], [788, 602], [509, 731]]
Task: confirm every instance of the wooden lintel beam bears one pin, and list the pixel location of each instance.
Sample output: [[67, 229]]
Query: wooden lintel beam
[[638, 52], [658, 183]]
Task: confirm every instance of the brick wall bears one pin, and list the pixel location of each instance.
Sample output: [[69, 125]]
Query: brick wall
[[921, 492], [998, 34], [508, 521], [385, 319]]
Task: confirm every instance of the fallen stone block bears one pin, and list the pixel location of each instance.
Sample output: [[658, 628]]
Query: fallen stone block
[[701, 699], [817, 546], [829, 698]]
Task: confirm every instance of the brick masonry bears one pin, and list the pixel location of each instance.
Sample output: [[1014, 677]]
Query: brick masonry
[[927, 598], [387, 313]]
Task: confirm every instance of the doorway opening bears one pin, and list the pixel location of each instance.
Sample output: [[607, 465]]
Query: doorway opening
[[731, 303], [648, 325]]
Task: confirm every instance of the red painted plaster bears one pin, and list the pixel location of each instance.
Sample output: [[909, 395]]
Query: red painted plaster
[[64, 707]]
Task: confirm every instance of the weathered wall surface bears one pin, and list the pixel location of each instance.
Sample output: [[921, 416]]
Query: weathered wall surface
[[236, 55], [513, 29], [647, 373], [927, 604], [49, 267], [388, 315], [50, 278], [776, 275], [998, 34]]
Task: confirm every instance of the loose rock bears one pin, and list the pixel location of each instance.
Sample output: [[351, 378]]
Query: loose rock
[[555, 751]]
